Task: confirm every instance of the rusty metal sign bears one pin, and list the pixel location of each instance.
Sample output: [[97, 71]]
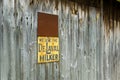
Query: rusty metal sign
[[48, 41], [48, 49]]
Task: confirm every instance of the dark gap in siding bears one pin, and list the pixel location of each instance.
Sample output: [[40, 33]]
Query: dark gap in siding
[[92, 3], [31, 2], [110, 10]]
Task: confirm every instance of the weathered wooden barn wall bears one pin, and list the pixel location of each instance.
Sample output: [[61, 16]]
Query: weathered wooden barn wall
[[89, 41], [112, 41]]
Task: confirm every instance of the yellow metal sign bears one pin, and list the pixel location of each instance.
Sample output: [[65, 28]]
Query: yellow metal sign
[[48, 49]]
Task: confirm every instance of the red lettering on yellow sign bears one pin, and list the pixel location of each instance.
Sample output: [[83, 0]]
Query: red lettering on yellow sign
[[48, 49]]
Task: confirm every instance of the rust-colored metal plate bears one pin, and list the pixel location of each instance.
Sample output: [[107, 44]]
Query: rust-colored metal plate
[[47, 25]]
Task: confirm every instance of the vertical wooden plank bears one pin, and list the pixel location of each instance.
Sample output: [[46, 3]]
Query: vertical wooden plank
[[12, 43], [23, 54], [5, 57], [85, 52], [102, 42], [111, 40], [112, 52], [26, 53], [118, 45], [74, 54], [12, 54], [80, 46], [56, 66], [27, 41], [105, 57], [32, 46], [98, 43], [92, 43], [118, 49], [65, 41], [68, 26], [8, 58], [103, 36], [17, 40], [32, 49], [1, 34], [84, 43]]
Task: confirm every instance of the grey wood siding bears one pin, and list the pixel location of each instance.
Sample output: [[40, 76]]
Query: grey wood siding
[[89, 41]]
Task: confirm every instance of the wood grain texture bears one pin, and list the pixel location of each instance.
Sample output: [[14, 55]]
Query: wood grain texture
[[89, 41], [1, 34]]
